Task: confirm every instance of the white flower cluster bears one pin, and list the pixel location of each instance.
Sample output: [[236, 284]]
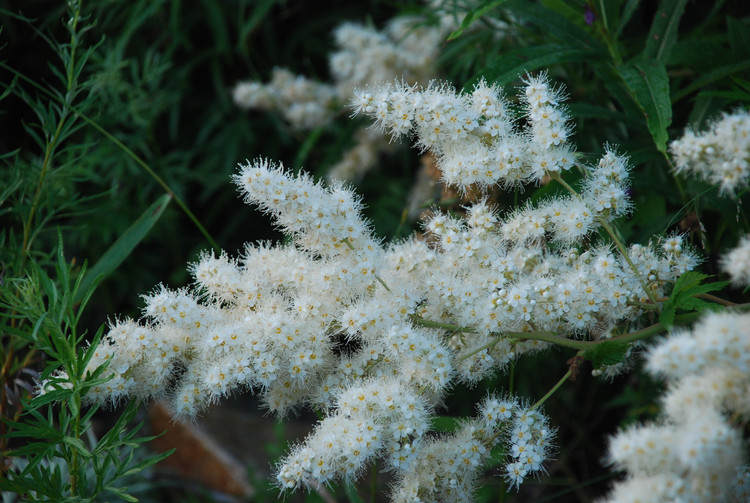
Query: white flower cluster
[[473, 136], [305, 104], [720, 155], [736, 263], [446, 468], [693, 453]]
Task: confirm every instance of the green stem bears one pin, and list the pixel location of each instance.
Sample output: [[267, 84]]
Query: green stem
[[49, 152], [621, 247], [566, 185], [552, 391], [608, 228], [656, 328], [377, 277], [716, 299], [479, 350]]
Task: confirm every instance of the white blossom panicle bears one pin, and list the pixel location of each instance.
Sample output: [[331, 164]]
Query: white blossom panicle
[[736, 263], [693, 453], [472, 134], [720, 155], [323, 220], [445, 468], [305, 103]]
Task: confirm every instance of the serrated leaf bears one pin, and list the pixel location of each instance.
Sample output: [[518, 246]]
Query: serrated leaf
[[124, 245], [688, 280], [684, 297], [607, 353], [475, 14], [663, 33], [706, 287], [649, 85]]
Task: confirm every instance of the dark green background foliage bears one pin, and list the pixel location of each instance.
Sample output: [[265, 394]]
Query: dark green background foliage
[[157, 76]]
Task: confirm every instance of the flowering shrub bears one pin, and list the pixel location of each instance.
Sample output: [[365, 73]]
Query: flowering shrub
[[373, 335], [378, 337]]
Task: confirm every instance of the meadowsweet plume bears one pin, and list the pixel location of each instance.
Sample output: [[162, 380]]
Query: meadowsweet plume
[[693, 452], [720, 155]]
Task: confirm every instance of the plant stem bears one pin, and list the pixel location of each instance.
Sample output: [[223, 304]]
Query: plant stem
[[621, 247], [552, 391], [377, 277], [49, 151]]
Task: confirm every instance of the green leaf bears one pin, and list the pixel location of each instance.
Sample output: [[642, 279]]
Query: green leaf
[[627, 13], [351, 492], [649, 85], [121, 492], [684, 294], [607, 353], [739, 36], [475, 14], [445, 423], [515, 63], [77, 444], [710, 77], [609, 13], [553, 24], [663, 33], [124, 245]]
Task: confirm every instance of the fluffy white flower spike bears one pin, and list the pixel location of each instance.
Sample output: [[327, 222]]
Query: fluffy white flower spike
[[694, 453], [720, 155], [472, 134]]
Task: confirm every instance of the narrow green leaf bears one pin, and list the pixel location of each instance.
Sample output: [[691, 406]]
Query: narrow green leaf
[[475, 14], [124, 245], [77, 444], [649, 85], [121, 492], [553, 24], [627, 13], [260, 10], [710, 77], [152, 460], [351, 492], [663, 33], [516, 63], [739, 36], [607, 353], [744, 84], [609, 13]]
